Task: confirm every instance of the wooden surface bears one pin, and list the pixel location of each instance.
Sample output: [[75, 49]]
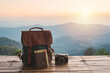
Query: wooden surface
[[76, 64], [10, 64]]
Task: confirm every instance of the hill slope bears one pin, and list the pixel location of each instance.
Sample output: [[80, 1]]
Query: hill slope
[[9, 47], [9, 42]]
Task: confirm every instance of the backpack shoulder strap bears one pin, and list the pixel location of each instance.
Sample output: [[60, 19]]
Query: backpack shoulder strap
[[29, 49]]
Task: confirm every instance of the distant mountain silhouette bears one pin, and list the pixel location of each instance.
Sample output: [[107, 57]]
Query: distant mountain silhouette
[[68, 38]]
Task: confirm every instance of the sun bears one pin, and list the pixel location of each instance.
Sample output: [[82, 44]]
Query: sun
[[85, 13]]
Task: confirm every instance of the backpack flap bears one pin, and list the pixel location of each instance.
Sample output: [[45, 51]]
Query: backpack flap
[[37, 38]]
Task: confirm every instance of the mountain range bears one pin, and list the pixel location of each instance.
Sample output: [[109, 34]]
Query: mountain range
[[68, 38]]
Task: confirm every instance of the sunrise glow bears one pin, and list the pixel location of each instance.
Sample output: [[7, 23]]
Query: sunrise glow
[[54, 11], [85, 13]]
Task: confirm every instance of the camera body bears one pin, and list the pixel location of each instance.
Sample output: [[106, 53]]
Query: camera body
[[61, 58]]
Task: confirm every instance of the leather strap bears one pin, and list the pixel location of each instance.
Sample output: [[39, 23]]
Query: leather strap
[[29, 49], [29, 55], [36, 28], [52, 50], [49, 53]]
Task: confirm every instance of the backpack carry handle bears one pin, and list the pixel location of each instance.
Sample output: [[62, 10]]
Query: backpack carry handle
[[36, 28]]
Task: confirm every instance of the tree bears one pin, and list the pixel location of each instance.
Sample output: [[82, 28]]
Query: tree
[[102, 52], [90, 51], [9, 50], [18, 51]]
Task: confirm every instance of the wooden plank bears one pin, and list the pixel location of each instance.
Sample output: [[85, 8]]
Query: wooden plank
[[10, 68], [75, 58], [78, 68], [80, 72], [100, 71], [96, 58], [76, 64], [5, 64], [100, 67], [49, 69], [95, 63], [9, 58], [10, 64], [10, 71], [44, 72], [72, 63]]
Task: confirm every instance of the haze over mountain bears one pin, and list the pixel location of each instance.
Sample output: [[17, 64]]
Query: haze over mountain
[[68, 38]]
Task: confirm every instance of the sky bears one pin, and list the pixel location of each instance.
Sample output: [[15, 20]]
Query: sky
[[52, 12]]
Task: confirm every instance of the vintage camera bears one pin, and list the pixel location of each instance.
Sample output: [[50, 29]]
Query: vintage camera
[[61, 58]]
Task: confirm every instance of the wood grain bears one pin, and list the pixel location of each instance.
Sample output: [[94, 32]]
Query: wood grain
[[76, 64]]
